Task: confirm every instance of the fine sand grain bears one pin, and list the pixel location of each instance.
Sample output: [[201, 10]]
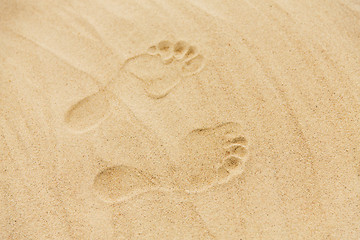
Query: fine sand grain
[[169, 119]]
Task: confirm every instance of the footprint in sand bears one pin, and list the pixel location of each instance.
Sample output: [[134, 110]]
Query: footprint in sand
[[164, 66], [210, 156], [119, 183], [89, 112], [160, 70]]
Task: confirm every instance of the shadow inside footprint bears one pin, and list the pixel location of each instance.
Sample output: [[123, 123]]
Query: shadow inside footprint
[[211, 156], [164, 66], [158, 77], [88, 112], [119, 183]]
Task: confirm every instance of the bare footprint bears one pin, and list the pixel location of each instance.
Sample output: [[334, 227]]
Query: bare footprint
[[164, 66], [88, 112], [160, 70], [210, 156], [119, 183]]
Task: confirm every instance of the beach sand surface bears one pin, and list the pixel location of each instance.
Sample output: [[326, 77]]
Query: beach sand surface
[[169, 119]]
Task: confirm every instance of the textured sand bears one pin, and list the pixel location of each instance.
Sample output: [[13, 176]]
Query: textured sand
[[169, 119]]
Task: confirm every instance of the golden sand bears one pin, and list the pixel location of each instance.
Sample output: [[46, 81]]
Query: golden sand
[[169, 119]]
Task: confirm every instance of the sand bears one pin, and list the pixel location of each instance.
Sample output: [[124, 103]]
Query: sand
[[169, 119]]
